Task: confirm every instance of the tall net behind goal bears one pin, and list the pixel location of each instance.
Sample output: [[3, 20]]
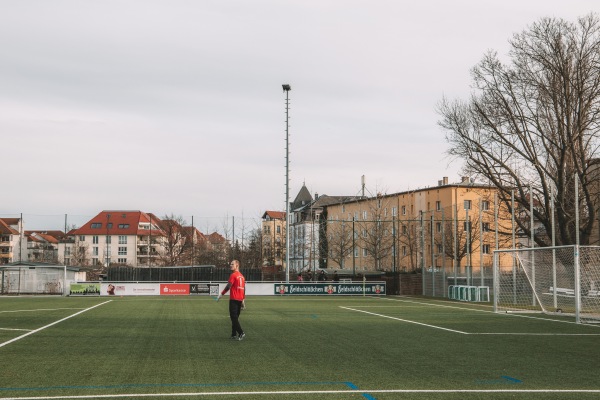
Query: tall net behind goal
[[563, 279]]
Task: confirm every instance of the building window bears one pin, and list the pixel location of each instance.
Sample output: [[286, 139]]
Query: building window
[[403, 250], [278, 229], [355, 252], [486, 249], [108, 241], [394, 211], [96, 225], [365, 252], [82, 238], [122, 239], [485, 205], [403, 210], [438, 205], [467, 204], [94, 261], [109, 225], [95, 239], [94, 251], [365, 214], [440, 248], [123, 226], [122, 260], [486, 226], [364, 233], [438, 227], [404, 229], [122, 251]]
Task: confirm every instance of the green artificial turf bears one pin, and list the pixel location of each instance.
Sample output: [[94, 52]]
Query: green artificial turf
[[295, 348]]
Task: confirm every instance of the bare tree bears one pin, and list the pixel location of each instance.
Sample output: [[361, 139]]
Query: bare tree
[[252, 252], [339, 240], [175, 246], [376, 232], [408, 239], [79, 253], [535, 122]]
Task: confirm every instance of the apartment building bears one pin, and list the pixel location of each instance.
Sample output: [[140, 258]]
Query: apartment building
[[139, 239], [42, 245], [435, 228], [273, 239], [306, 226], [13, 247], [114, 237]]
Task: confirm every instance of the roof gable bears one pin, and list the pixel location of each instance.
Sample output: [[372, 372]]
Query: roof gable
[[121, 223], [302, 198], [270, 215]]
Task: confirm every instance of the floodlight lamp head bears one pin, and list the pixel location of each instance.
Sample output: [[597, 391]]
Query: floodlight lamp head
[[286, 87]]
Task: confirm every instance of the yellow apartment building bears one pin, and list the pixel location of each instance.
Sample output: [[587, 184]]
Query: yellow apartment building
[[273, 238], [448, 228]]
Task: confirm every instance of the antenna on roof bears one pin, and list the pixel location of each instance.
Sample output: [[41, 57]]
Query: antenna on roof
[[362, 185]]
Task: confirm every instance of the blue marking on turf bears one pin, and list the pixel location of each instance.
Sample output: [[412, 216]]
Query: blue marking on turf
[[365, 395], [511, 380]]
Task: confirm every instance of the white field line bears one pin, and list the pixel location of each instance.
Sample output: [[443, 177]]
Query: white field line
[[40, 309], [485, 311], [406, 320], [15, 329], [537, 334], [304, 392], [49, 325]]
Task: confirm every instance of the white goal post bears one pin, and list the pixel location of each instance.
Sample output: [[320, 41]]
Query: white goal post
[[26, 279], [562, 279]]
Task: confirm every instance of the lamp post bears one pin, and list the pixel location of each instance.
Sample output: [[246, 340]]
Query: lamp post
[[286, 89]]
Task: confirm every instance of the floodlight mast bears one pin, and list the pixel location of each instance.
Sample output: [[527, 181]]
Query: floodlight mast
[[286, 89]]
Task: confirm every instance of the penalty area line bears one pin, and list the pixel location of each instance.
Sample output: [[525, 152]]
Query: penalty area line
[[302, 392], [52, 324], [405, 320]]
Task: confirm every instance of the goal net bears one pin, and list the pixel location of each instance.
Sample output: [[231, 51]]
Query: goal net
[[563, 279], [28, 279]]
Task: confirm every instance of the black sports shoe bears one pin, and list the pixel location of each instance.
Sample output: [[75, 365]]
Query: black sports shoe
[[242, 336]]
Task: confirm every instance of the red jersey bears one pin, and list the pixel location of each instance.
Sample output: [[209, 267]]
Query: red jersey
[[237, 284]]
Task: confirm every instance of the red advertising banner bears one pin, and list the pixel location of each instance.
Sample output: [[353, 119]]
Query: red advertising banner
[[174, 289]]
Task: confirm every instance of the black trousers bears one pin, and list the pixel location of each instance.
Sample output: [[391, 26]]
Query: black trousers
[[235, 308]]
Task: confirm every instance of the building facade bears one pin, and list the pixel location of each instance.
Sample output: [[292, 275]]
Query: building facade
[[273, 239], [114, 237], [437, 228], [13, 246]]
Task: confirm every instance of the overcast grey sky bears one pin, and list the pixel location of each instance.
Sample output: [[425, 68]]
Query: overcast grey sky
[[176, 106]]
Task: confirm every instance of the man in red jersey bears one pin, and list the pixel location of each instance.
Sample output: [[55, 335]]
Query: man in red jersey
[[237, 285]]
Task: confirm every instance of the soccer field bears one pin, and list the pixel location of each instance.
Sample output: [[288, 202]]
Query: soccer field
[[295, 348]]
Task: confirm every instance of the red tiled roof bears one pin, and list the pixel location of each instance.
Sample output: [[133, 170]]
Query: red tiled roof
[[123, 223], [216, 238], [274, 214], [5, 228], [34, 236], [56, 235]]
